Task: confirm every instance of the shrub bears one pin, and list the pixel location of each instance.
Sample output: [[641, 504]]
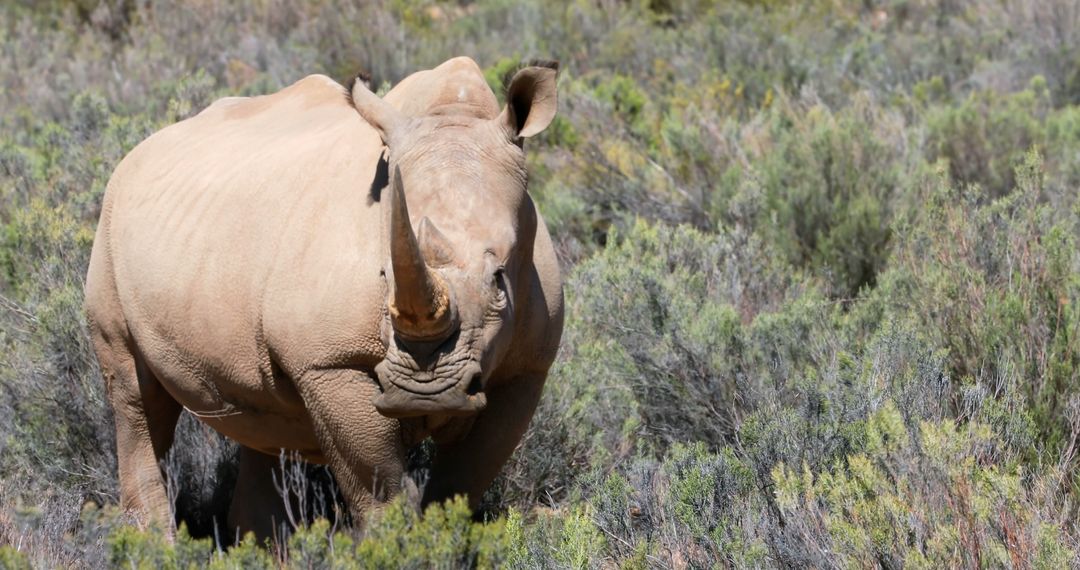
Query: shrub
[[831, 182], [985, 137], [983, 270]]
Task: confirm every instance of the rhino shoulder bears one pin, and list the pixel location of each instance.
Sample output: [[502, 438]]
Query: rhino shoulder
[[315, 90], [320, 85]]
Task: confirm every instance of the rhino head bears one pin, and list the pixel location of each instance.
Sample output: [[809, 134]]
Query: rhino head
[[458, 248]]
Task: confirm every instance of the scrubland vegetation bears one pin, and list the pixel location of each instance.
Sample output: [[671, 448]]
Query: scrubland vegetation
[[823, 284]]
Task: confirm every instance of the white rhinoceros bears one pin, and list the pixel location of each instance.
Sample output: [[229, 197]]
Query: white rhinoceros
[[331, 273]]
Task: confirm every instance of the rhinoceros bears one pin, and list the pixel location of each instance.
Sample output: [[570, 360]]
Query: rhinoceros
[[330, 272]]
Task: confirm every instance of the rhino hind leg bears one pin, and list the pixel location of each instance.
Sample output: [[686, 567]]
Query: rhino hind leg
[[145, 416], [257, 504]]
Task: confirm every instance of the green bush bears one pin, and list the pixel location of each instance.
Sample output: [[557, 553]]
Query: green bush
[[985, 137], [995, 280], [831, 183]]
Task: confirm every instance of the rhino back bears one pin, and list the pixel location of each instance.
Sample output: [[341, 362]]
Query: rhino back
[[246, 247]]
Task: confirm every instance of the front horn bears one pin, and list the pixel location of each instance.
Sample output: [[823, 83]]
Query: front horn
[[420, 304]]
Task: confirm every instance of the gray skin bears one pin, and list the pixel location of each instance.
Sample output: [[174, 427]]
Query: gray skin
[[261, 266]]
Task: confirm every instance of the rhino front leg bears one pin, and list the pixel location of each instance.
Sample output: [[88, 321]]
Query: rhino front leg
[[363, 447], [468, 466]]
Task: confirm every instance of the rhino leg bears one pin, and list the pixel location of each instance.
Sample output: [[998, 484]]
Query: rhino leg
[[145, 416], [257, 506], [363, 448], [468, 466]]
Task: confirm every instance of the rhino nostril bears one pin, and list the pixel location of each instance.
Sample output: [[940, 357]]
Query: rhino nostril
[[475, 385]]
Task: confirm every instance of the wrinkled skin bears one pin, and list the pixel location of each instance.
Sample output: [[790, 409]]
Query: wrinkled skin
[[264, 266]]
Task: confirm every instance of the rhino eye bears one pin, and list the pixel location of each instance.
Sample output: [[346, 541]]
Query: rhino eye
[[499, 280]]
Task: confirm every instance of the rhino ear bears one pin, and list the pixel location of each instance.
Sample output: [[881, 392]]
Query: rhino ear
[[531, 100], [378, 113]]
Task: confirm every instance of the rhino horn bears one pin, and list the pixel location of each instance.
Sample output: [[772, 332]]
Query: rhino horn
[[420, 305], [436, 249]]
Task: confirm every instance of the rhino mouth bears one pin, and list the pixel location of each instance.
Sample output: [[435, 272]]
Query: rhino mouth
[[453, 389]]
